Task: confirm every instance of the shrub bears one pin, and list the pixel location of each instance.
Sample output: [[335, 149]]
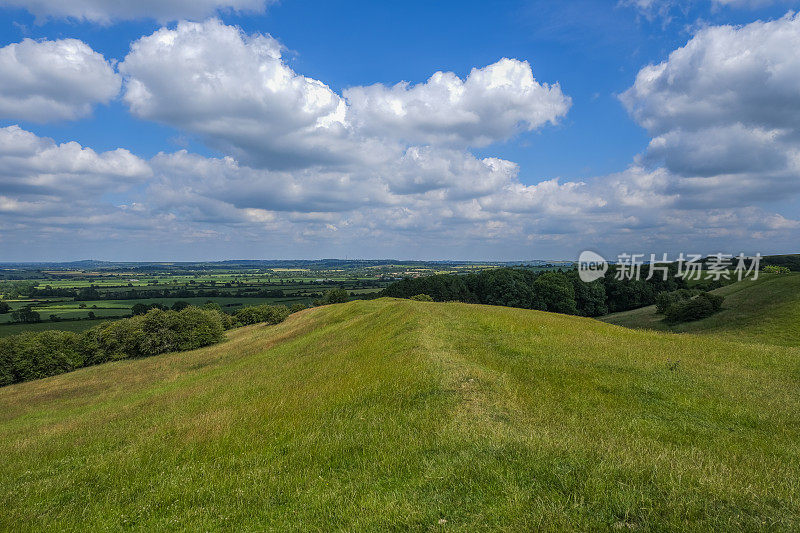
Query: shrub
[[297, 307], [421, 298], [35, 355], [701, 306], [271, 314], [665, 299], [180, 305], [4, 307], [774, 269], [38, 355], [212, 306], [120, 339], [335, 296]]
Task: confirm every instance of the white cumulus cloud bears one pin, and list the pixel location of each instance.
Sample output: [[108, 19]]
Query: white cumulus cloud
[[724, 111], [44, 81], [492, 104], [237, 92], [387, 169]]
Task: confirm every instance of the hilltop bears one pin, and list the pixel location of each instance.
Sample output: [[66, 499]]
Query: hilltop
[[766, 310], [397, 414]]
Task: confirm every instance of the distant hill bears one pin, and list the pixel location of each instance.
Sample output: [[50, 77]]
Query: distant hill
[[392, 414], [766, 310]]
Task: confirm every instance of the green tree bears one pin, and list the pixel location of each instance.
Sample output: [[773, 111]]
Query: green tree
[[701, 306], [139, 309], [335, 296], [180, 305], [25, 315], [557, 293], [4, 307]]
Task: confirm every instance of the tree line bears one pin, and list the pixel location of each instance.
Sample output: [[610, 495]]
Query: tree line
[[556, 291], [32, 355]]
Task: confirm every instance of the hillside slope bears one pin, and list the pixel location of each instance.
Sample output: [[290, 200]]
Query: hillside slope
[[391, 414], [766, 310]]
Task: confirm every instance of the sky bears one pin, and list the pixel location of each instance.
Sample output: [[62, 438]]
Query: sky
[[169, 130]]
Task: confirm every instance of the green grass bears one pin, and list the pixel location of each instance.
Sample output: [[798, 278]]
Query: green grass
[[72, 310], [766, 310], [72, 325], [392, 414]]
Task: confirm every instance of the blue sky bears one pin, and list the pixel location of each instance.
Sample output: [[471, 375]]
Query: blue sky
[[612, 194]]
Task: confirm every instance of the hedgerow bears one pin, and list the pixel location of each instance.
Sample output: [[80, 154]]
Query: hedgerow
[[31, 355]]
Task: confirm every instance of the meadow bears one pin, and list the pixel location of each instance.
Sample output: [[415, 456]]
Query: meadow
[[765, 310], [392, 414]]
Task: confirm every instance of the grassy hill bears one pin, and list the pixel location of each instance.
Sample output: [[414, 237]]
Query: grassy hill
[[766, 310], [392, 414]]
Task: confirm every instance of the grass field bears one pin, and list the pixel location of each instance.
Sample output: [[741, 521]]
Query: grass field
[[392, 414], [71, 325], [766, 310], [72, 310]]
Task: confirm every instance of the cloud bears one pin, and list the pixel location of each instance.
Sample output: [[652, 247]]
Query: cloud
[[470, 206], [48, 185], [431, 201], [492, 104], [237, 92], [724, 112], [108, 11], [45, 81], [420, 174], [304, 171]]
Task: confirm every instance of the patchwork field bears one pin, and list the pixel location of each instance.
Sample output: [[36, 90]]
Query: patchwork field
[[391, 414]]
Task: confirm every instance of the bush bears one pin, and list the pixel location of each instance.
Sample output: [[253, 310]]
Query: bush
[[271, 314], [335, 296], [35, 355], [701, 306], [38, 355], [180, 305], [421, 298], [4, 307], [665, 299], [141, 309], [774, 269], [297, 307], [212, 306]]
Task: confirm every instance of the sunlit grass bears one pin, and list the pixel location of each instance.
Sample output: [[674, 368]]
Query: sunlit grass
[[393, 414], [766, 310]]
